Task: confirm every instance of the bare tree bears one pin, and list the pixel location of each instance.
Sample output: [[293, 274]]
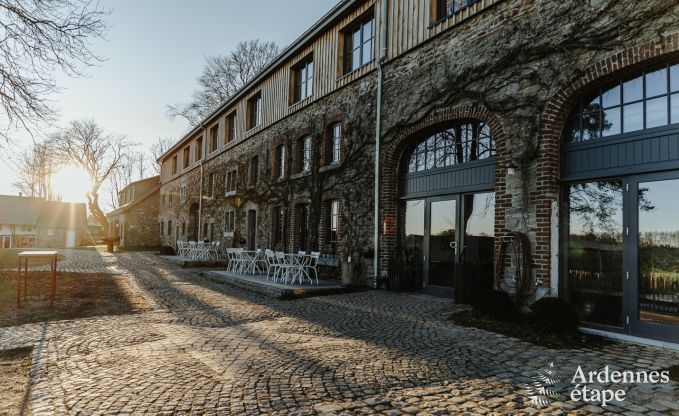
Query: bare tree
[[158, 149], [134, 166], [34, 168], [223, 76], [99, 153], [37, 38]]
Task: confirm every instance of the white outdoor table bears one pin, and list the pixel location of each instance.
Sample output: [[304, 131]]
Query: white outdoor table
[[25, 255]]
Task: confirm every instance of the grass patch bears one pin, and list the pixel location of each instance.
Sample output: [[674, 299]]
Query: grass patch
[[525, 328]]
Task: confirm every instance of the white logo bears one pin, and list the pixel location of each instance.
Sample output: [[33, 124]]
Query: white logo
[[545, 387], [594, 387]]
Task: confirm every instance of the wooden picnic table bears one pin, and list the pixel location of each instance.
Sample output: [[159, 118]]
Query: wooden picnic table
[[25, 255]]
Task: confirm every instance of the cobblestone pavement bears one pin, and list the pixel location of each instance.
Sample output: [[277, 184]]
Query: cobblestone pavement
[[207, 348]]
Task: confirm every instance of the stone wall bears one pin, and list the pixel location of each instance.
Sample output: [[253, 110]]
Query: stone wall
[[505, 66], [141, 223]]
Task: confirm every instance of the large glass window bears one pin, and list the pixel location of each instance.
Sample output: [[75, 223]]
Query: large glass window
[[647, 101], [460, 143], [594, 261], [658, 296]]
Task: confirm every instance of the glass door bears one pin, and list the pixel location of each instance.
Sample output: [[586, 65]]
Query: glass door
[[447, 245], [478, 249], [442, 245], [654, 298]]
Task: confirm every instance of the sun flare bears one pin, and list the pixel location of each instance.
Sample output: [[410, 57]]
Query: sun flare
[[72, 183]]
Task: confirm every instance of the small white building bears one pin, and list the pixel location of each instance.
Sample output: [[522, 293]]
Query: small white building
[[27, 222]]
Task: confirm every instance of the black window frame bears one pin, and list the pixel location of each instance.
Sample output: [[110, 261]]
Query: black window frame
[[276, 222], [349, 48], [230, 128], [334, 146], [211, 185], [451, 146], [304, 154], [303, 226], [281, 155], [332, 226], [214, 139], [254, 106], [229, 221], [303, 79], [186, 157], [199, 150], [230, 181], [253, 172], [593, 108], [448, 8]]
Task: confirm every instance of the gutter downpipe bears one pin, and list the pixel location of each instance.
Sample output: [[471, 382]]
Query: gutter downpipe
[[378, 139], [200, 196]]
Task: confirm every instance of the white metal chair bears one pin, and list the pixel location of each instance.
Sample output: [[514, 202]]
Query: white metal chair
[[182, 248], [313, 263], [234, 260], [272, 264]]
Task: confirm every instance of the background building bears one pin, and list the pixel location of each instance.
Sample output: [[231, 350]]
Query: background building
[[27, 222], [135, 222]]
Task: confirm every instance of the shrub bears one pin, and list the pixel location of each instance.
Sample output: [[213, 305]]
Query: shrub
[[167, 251], [496, 304], [555, 315]]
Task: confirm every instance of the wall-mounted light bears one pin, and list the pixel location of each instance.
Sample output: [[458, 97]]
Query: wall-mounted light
[[511, 169]]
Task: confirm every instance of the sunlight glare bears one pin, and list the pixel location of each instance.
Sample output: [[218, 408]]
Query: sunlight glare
[[72, 183]]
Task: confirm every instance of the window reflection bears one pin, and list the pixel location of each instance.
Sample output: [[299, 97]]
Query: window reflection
[[640, 103], [464, 142], [658, 252], [594, 257]]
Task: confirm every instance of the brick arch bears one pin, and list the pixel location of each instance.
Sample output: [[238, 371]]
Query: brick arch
[[554, 119], [392, 156]]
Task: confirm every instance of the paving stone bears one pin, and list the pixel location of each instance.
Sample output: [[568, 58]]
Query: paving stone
[[208, 348]]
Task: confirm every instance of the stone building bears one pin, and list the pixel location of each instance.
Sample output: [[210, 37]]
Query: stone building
[[27, 222], [527, 144], [135, 222]]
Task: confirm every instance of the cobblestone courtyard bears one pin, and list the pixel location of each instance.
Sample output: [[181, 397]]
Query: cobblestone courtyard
[[206, 348]]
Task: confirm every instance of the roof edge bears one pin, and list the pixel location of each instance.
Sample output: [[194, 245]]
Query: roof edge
[[310, 34]]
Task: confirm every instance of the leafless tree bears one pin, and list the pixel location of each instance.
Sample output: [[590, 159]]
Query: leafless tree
[[99, 153], [134, 166], [223, 76], [34, 168], [37, 39], [157, 149]]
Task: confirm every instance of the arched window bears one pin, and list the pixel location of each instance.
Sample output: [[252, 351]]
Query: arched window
[[462, 142], [646, 101]]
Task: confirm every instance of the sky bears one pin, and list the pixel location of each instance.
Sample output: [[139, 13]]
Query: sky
[[154, 52]]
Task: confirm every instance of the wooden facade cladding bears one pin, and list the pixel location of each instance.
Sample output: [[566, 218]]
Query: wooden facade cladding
[[413, 22], [410, 23]]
